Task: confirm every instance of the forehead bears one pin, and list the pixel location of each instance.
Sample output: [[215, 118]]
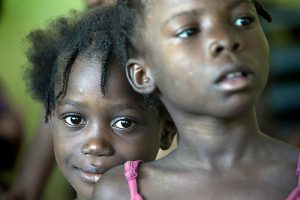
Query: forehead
[[171, 6], [85, 79], [204, 3]]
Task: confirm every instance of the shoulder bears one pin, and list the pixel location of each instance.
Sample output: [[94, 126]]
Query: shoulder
[[280, 150], [282, 163], [112, 185]]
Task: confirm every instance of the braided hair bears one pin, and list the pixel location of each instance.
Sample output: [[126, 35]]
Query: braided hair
[[53, 50]]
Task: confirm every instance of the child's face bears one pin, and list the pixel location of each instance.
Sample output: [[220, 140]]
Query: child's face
[[206, 56], [92, 133]]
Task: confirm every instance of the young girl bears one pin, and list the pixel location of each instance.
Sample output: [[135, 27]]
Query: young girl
[[207, 60], [97, 120]]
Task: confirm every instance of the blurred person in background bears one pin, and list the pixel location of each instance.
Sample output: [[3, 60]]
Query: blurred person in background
[[11, 133]]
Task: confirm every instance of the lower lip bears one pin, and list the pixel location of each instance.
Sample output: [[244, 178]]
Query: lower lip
[[234, 84], [89, 177]]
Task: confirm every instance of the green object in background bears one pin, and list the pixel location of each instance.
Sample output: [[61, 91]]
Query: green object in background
[[17, 19]]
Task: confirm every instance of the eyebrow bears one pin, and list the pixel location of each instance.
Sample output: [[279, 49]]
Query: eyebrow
[[193, 12], [126, 106], [71, 103], [113, 107], [235, 3]]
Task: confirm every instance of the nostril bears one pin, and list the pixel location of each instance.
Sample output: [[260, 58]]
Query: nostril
[[236, 46], [219, 49]]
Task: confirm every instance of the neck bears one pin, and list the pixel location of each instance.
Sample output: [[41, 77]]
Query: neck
[[79, 197], [216, 143]]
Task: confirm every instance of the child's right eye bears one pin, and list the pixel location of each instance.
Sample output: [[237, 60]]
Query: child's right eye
[[123, 123], [74, 120], [187, 32], [244, 21]]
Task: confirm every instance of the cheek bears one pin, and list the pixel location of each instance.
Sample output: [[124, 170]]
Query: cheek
[[262, 53], [141, 147], [259, 43], [64, 149], [60, 151]]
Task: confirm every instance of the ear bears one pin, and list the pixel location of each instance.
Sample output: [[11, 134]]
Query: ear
[[168, 134], [139, 76]]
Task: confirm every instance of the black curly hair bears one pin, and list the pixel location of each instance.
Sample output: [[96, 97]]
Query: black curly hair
[[133, 13], [52, 51]]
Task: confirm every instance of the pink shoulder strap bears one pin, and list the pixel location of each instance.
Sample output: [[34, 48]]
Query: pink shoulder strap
[[131, 173], [298, 171], [295, 195]]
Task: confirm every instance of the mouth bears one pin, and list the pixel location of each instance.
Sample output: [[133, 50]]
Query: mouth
[[90, 174], [233, 79]]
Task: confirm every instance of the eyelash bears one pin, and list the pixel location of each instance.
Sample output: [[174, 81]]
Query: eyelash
[[249, 20], [187, 32], [68, 117], [193, 30], [118, 122]]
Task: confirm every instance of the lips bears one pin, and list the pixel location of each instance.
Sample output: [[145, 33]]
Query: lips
[[234, 78], [90, 174]]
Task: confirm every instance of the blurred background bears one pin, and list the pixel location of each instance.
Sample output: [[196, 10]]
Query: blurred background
[[278, 109], [17, 18]]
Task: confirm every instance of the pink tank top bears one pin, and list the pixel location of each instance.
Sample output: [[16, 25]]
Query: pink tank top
[[295, 195], [131, 173]]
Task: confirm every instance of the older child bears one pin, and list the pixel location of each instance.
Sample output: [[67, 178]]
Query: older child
[[208, 61], [98, 121]]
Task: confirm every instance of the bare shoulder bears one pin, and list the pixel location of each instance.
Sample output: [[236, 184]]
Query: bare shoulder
[[112, 186], [282, 163], [282, 151]]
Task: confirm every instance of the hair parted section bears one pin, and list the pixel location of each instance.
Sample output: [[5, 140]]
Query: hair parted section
[[53, 50]]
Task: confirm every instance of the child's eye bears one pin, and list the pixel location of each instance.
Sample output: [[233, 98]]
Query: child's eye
[[188, 32], [74, 120], [123, 123], [243, 21]]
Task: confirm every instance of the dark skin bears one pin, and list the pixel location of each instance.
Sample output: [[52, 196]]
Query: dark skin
[[30, 184], [218, 55], [93, 133]]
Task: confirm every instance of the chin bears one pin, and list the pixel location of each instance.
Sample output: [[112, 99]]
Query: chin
[[86, 194], [236, 111]]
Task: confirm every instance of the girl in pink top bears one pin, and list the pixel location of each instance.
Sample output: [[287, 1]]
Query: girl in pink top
[[97, 120], [208, 61]]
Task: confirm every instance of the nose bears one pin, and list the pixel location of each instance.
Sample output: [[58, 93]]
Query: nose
[[98, 146], [223, 41]]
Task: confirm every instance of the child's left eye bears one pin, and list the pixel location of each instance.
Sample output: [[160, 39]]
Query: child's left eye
[[243, 21], [123, 124], [187, 32]]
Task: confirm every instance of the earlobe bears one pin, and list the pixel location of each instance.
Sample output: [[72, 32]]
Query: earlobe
[[139, 77]]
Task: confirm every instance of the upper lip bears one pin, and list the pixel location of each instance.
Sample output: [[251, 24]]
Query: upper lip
[[231, 68]]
